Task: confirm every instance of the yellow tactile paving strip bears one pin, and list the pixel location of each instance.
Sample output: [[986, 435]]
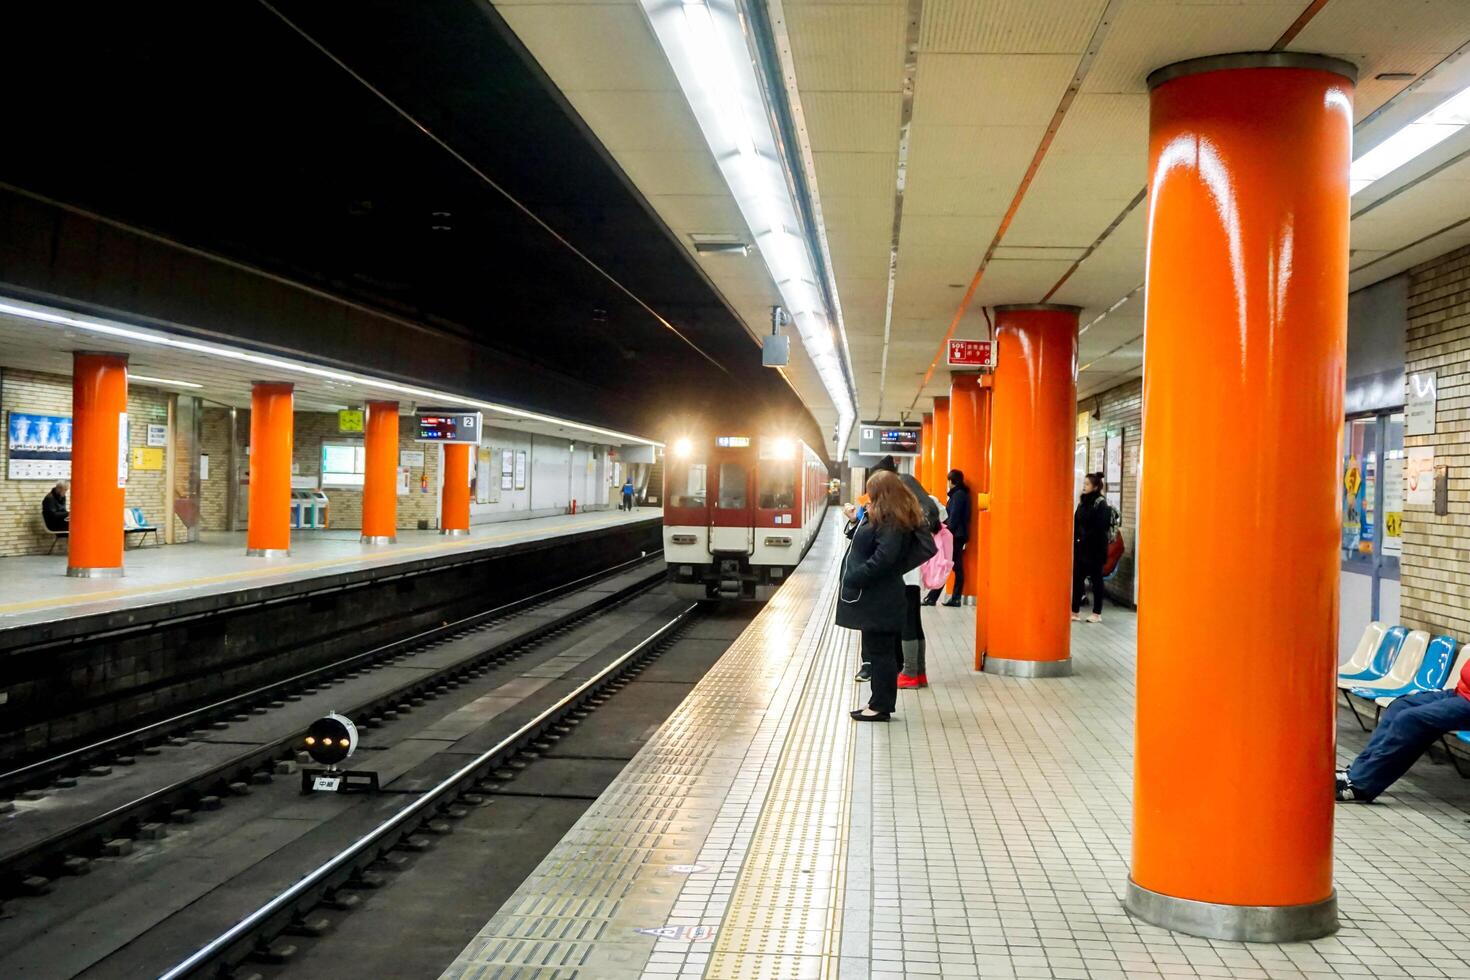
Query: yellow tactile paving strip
[[294, 568]]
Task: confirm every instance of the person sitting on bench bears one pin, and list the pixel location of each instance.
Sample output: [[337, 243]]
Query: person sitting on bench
[[1409, 725], [53, 509]]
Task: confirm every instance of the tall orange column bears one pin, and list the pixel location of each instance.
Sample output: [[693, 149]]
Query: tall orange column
[[926, 451], [980, 522], [454, 517], [1035, 419], [938, 475], [99, 464], [380, 479], [1246, 325], [966, 454], [268, 534]]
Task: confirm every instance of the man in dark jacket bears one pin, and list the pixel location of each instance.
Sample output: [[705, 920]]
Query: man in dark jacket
[[53, 509], [958, 507]]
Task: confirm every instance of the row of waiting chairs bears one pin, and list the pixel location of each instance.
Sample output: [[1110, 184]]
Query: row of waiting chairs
[[1393, 661]]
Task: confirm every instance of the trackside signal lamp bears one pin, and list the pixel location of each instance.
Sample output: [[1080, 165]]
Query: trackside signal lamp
[[331, 740]]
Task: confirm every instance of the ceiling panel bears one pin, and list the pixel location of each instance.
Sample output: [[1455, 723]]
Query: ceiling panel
[[847, 49], [990, 89], [1003, 26]]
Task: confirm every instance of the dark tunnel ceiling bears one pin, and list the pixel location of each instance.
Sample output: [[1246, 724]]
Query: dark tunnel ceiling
[[219, 126]]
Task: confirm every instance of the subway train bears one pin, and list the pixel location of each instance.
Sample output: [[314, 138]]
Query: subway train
[[739, 513]]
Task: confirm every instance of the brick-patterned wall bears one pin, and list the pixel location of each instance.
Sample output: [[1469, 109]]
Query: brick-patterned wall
[[214, 493], [1119, 408], [21, 531], [1434, 569], [345, 505]]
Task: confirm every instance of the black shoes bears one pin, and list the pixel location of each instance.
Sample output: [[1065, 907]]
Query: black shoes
[[954, 603], [929, 602], [1344, 791], [857, 715], [864, 675]]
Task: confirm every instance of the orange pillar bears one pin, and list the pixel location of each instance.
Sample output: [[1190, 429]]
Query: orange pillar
[[380, 479], [980, 521], [454, 518], [939, 473], [99, 464], [1246, 324], [965, 453], [268, 534], [926, 451], [1035, 412]]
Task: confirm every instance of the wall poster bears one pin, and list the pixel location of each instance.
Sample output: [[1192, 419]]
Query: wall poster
[[1419, 476], [507, 468], [521, 469], [40, 446], [1113, 469]]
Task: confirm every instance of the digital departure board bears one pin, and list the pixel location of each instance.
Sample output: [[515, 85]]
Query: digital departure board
[[448, 427], [888, 439]]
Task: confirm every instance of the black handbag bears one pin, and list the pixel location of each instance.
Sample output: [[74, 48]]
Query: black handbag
[[920, 548]]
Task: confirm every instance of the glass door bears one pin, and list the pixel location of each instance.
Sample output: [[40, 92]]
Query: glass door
[[1372, 487]]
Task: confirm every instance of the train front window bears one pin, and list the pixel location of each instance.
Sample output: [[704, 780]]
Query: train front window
[[732, 487], [777, 489], [688, 482]]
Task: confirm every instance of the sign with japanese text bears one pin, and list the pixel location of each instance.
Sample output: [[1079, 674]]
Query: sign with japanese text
[[969, 353]]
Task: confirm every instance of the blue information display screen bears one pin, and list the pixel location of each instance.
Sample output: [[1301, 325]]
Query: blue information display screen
[[449, 427]]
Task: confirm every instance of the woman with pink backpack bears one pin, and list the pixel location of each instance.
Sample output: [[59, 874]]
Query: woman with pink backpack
[[930, 575]]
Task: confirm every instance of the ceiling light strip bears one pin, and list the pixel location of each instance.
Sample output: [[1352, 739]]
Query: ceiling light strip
[[42, 314], [900, 184], [1302, 20], [163, 381], [1410, 142], [706, 45], [1084, 65], [489, 182]]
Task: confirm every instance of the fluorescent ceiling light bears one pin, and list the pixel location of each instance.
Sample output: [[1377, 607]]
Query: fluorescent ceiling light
[[163, 381], [1426, 132], [31, 311], [705, 44]]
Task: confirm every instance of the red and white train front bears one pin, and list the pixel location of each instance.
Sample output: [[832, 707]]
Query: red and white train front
[[739, 513]]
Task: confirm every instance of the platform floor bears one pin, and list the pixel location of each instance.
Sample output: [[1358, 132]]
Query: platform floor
[[983, 833], [35, 588]]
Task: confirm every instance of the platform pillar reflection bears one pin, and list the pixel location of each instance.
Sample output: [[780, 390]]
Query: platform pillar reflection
[[268, 534], [99, 464], [454, 515], [380, 477], [1034, 407], [1247, 317]]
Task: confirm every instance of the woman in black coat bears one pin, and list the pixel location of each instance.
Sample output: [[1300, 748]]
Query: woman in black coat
[[872, 595], [1092, 528]]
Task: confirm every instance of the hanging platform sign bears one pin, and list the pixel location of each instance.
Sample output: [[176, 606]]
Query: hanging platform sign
[[447, 426], [969, 353]]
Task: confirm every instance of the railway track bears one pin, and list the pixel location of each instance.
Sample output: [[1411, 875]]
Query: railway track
[[258, 936], [36, 852]]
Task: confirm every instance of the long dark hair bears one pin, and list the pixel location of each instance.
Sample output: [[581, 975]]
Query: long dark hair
[[890, 502]]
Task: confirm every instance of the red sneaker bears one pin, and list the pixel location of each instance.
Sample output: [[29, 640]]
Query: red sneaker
[[907, 683]]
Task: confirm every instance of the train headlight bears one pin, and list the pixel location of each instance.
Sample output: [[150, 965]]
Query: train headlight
[[331, 740], [783, 449], [683, 448]]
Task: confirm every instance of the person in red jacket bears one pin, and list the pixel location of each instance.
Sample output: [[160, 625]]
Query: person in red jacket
[[1409, 725]]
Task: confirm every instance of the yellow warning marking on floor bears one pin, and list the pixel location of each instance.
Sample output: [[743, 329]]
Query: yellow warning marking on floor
[[447, 544], [784, 917]]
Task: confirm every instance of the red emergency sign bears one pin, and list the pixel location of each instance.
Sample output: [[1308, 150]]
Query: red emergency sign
[[969, 353]]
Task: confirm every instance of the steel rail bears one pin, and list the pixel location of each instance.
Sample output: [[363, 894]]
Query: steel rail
[[160, 728], [302, 895]]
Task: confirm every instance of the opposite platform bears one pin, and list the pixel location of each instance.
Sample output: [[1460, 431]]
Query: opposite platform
[[982, 833], [35, 589]]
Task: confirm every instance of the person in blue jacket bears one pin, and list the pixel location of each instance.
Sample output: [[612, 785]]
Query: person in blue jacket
[[628, 493]]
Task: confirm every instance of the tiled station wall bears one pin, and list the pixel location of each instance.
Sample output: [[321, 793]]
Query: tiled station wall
[[21, 530], [1119, 409], [1434, 569]]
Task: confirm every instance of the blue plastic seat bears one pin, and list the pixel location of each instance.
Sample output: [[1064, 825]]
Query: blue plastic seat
[[1433, 669], [1383, 657]]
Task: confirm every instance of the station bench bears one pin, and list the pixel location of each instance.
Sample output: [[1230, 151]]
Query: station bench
[[134, 523]]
